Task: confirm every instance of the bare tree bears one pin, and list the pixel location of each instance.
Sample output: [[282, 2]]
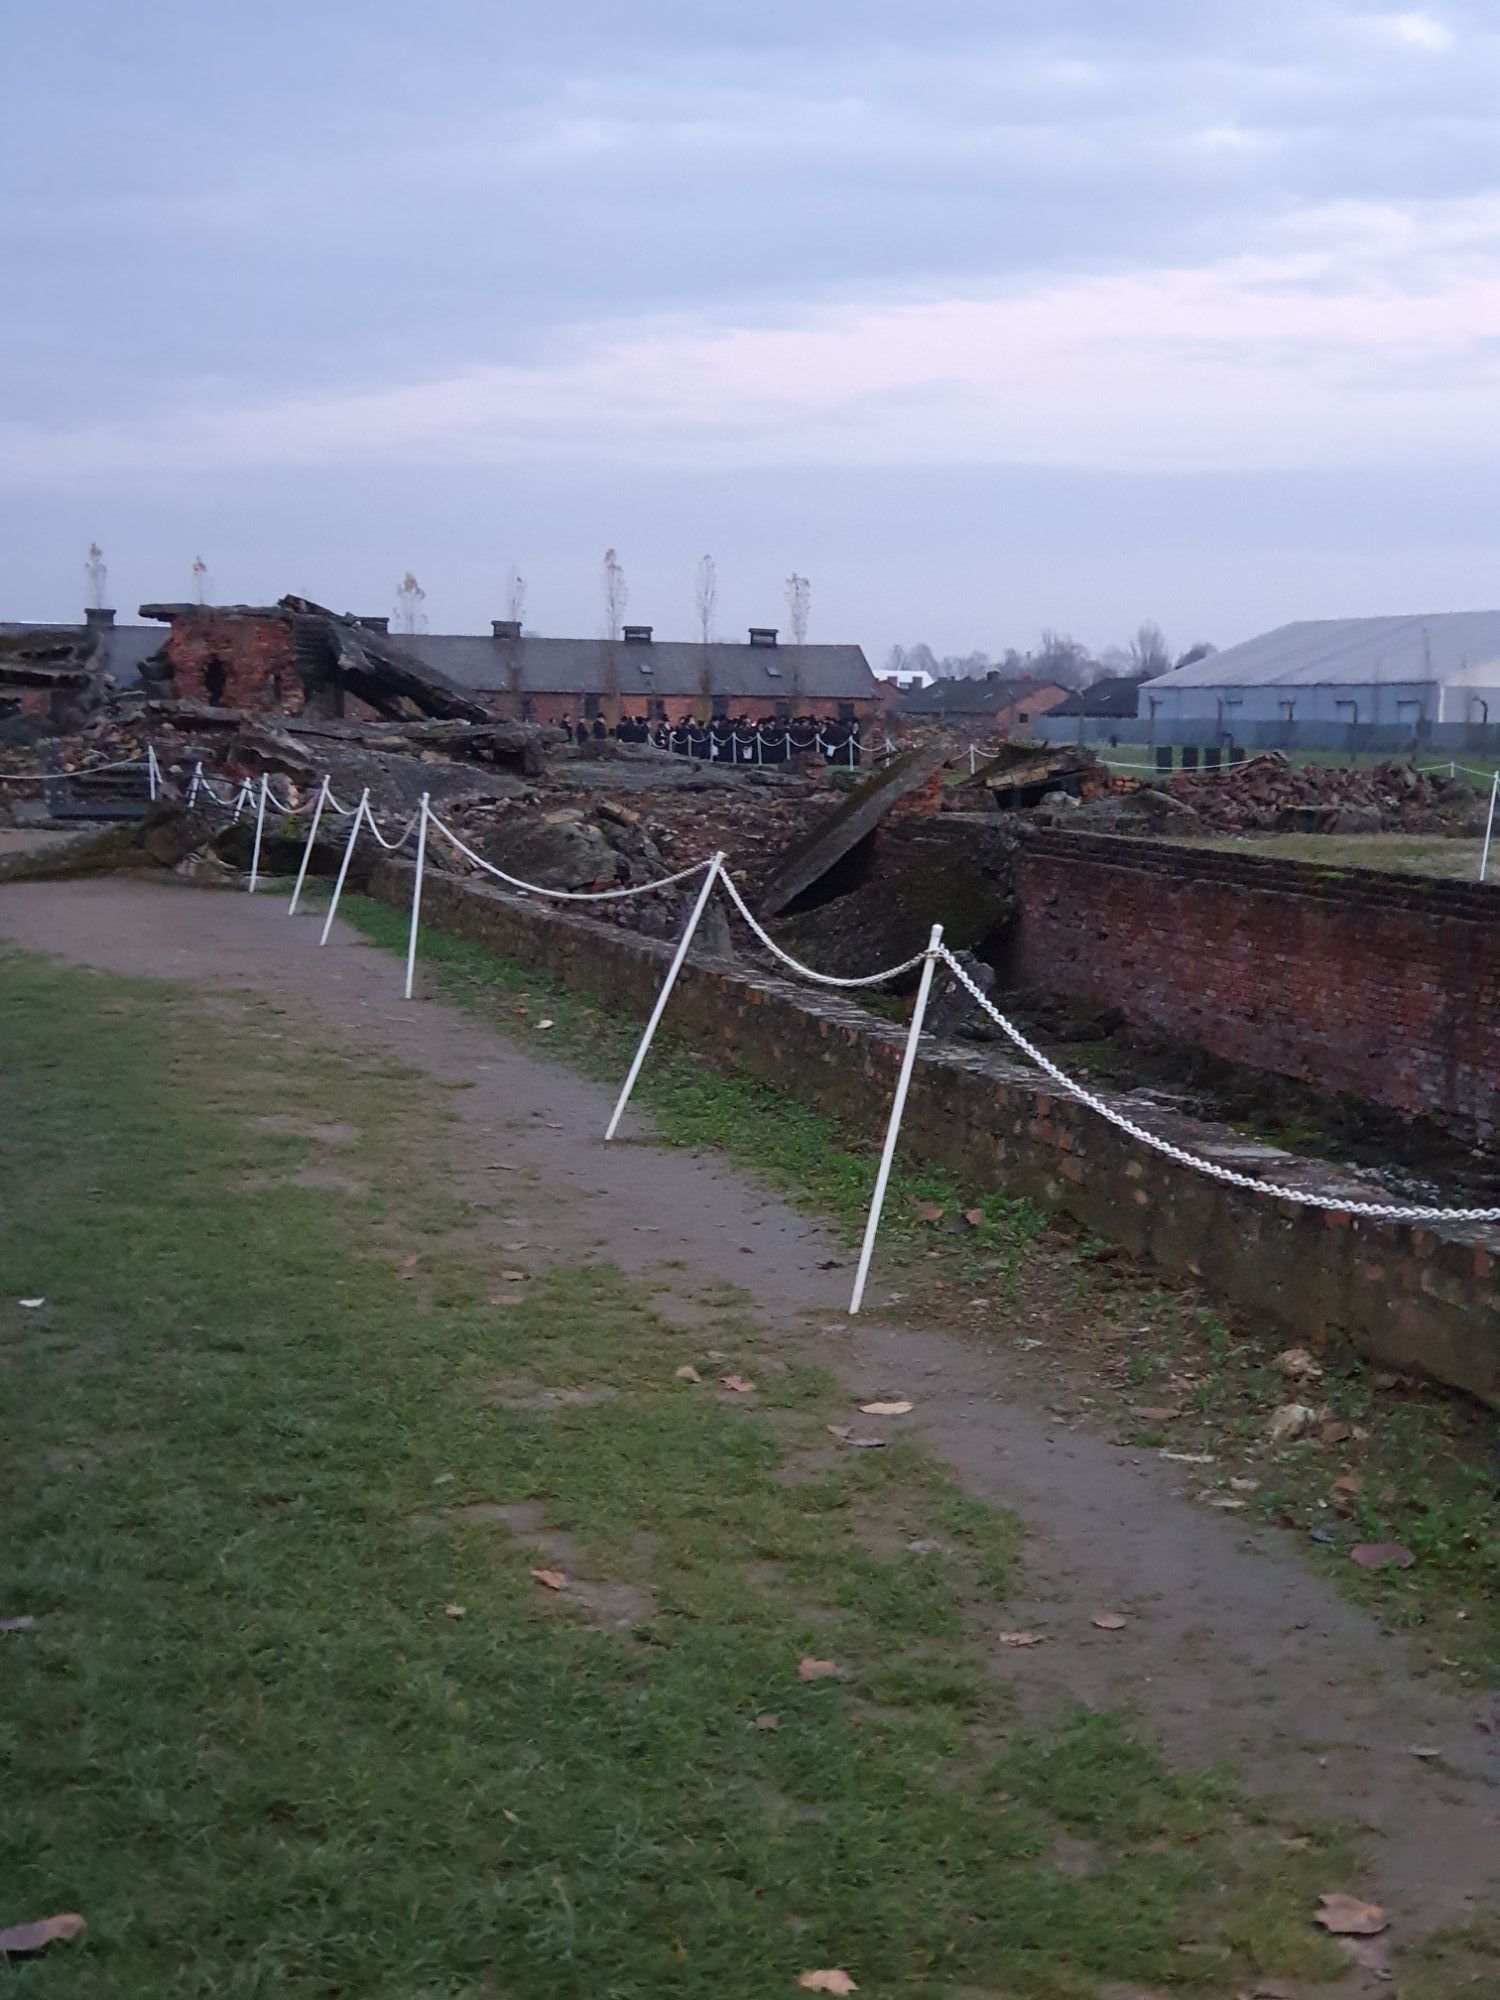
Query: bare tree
[[98, 576], [1149, 653], [200, 579], [1061, 660], [616, 595], [515, 595], [410, 598], [706, 596], [798, 604]]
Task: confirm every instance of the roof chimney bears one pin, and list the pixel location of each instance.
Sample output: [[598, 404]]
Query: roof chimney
[[374, 624], [506, 628], [763, 635], [637, 635], [99, 620]]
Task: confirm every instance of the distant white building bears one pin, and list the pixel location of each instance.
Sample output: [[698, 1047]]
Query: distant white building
[[1406, 675]]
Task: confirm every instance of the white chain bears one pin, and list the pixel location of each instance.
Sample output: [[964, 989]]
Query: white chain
[[562, 895], [1381, 1211], [806, 971]]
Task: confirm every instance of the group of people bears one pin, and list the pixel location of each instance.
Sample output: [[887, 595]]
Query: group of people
[[732, 739]]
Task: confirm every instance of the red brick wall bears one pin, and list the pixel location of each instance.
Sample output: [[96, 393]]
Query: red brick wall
[[1384, 987], [235, 661]]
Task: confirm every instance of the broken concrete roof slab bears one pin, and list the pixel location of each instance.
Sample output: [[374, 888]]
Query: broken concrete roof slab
[[809, 859]]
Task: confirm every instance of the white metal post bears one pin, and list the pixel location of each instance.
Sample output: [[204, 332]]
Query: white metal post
[[416, 896], [971, 760], [1489, 826], [338, 888], [260, 827], [151, 774], [893, 1130], [192, 797], [312, 834], [666, 991]]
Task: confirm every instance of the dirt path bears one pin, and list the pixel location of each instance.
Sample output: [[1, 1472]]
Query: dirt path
[[1231, 1649]]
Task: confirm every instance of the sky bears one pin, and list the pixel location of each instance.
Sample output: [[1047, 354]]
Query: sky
[[983, 315]]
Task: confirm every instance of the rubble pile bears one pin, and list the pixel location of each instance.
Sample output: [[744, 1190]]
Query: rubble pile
[[1268, 794]]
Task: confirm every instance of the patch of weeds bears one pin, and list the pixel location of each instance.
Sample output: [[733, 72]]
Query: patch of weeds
[[297, 1716]]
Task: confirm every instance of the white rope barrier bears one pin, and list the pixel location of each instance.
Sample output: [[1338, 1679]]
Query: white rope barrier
[[82, 771], [806, 971], [561, 895], [1380, 1211]]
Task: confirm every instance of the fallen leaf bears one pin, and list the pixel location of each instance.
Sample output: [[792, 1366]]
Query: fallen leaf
[[1422, 1750], [930, 1211], [550, 1579], [839, 1430], [514, 1247], [1019, 1638], [515, 1277], [1382, 1555], [686, 1373], [1347, 1916], [1228, 1505], [1334, 1431], [1245, 1485], [832, 1980], [23, 1938], [27, 1624], [898, 1409], [809, 1669], [408, 1263], [768, 1722], [1109, 1621], [1187, 1457], [1290, 1421], [1343, 1492], [1155, 1413], [1297, 1362], [974, 1217], [31, 1306], [453, 1611], [739, 1385], [546, 1024], [514, 1818], [845, 1435]]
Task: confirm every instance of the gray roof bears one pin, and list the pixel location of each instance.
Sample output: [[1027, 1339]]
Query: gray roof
[[125, 647], [977, 694], [640, 669], [1443, 646], [1113, 696]]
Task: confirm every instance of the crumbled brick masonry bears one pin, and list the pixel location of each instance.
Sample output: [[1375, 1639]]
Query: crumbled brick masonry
[[1410, 1297], [1384, 987], [234, 660]]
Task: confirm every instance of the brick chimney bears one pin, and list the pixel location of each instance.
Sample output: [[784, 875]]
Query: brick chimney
[[506, 628], [763, 635], [99, 620], [637, 635], [374, 624]]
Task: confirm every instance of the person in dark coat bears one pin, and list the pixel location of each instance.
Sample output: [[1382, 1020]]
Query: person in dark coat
[[601, 729], [581, 733]]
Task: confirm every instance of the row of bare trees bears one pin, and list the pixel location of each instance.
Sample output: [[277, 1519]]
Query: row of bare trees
[[1058, 658]]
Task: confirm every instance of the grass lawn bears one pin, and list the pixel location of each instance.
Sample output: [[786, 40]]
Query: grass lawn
[[1410, 853], [297, 1718]]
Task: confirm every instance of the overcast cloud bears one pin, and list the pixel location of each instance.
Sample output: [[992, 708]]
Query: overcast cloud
[[981, 315]]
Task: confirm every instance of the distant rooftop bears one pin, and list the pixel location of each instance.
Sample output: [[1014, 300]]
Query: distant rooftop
[[1444, 646]]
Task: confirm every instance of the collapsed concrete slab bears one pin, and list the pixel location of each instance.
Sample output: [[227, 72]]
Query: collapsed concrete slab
[[809, 860]]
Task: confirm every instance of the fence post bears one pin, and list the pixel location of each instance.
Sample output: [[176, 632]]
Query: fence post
[[971, 760], [666, 991], [312, 834], [338, 888], [1489, 826], [893, 1130], [260, 827], [151, 771], [416, 896], [192, 797]]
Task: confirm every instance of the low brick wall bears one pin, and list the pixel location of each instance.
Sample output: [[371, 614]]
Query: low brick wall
[[1380, 986], [1409, 1297]]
